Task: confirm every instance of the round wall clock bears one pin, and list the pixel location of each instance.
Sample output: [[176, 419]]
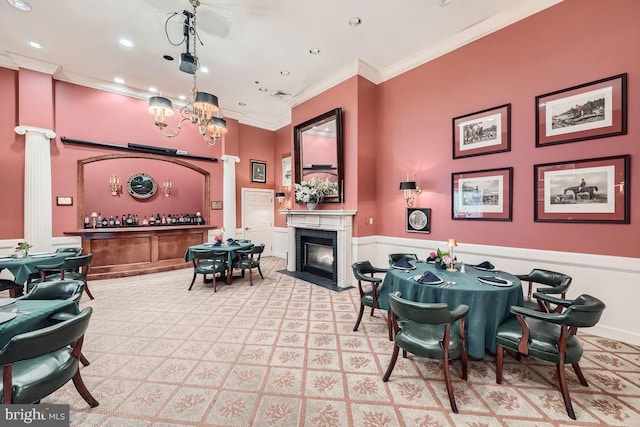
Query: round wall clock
[[141, 186]]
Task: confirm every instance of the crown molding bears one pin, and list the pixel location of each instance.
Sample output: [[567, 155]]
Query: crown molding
[[33, 64]]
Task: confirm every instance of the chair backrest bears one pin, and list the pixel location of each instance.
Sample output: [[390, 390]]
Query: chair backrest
[[77, 263], [257, 249], [548, 277], [199, 255], [425, 313], [29, 345], [584, 312], [56, 290], [393, 258], [76, 251], [361, 269]]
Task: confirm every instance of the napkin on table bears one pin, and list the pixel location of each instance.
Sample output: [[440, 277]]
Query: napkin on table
[[234, 243], [429, 277], [486, 264], [218, 243], [493, 279], [402, 263]]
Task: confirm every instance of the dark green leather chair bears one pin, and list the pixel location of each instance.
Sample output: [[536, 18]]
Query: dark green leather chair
[[56, 290], [426, 332], [393, 258], [555, 284], [72, 268], [248, 259], [77, 251], [9, 285], [208, 261], [550, 337], [71, 251], [37, 363], [365, 272]]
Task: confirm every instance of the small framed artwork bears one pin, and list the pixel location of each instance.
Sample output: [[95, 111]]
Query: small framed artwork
[[286, 171], [216, 205], [592, 110], [258, 171], [64, 201], [588, 190], [418, 220], [482, 195], [484, 132]]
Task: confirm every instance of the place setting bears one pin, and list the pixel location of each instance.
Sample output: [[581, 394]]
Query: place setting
[[403, 265], [428, 278]]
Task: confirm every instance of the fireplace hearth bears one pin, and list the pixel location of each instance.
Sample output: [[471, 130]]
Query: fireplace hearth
[[316, 253]]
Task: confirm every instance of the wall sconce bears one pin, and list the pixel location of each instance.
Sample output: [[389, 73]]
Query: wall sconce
[[283, 197], [166, 186], [452, 244], [410, 191], [114, 185]]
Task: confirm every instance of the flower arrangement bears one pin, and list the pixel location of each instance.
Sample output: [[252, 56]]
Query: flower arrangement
[[23, 246], [315, 190], [441, 257]]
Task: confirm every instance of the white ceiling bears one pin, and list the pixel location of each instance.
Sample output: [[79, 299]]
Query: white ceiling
[[245, 41]]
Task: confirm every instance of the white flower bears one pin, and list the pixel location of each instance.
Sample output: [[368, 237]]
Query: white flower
[[314, 191]]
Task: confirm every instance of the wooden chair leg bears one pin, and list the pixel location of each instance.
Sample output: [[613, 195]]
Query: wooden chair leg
[[499, 362], [214, 280], [355, 328], [251, 276], [390, 326], [564, 388], [193, 280], [580, 375], [84, 360], [260, 271], [86, 289], [372, 311], [392, 363], [447, 380], [83, 390]]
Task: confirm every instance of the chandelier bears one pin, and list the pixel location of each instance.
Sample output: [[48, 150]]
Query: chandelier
[[202, 109]]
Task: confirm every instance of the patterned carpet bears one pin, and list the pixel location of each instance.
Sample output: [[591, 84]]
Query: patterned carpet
[[283, 353]]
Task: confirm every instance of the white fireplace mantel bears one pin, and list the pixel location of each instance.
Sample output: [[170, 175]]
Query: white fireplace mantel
[[340, 221]]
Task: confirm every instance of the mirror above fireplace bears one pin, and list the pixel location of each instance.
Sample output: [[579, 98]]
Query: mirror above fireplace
[[318, 152]]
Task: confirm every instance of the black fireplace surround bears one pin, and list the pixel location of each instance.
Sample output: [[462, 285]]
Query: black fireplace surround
[[317, 253]]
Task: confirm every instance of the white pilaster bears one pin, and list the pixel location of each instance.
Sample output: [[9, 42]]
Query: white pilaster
[[229, 195], [38, 227]]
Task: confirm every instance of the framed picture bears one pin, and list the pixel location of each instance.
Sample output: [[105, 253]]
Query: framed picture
[[485, 132], [589, 190], [418, 220], [286, 171], [592, 110], [64, 201], [482, 195], [258, 171], [216, 205]]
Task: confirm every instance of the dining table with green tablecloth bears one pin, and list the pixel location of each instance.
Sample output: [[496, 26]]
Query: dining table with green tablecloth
[[30, 315], [489, 305], [22, 267], [229, 248]]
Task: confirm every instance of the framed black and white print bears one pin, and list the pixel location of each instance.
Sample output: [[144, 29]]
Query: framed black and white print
[[592, 110], [258, 171], [482, 195], [483, 132], [418, 220]]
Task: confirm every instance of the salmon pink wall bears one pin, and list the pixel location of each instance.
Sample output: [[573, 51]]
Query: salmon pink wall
[[36, 99], [283, 148], [574, 42], [257, 144], [11, 158]]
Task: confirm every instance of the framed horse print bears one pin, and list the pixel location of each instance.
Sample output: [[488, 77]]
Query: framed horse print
[[482, 195], [483, 132], [588, 190]]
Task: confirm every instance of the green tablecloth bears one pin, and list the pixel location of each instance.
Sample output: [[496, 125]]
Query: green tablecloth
[[230, 250], [488, 305], [38, 317], [22, 267]]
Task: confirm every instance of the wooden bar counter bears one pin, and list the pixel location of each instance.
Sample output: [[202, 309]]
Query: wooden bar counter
[[130, 251]]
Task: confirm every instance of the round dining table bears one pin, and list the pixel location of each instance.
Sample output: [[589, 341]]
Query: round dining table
[[489, 305]]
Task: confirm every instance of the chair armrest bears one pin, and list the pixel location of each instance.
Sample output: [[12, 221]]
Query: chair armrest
[[552, 290], [49, 266], [553, 300], [380, 270], [459, 312], [61, 317], [553, 317]]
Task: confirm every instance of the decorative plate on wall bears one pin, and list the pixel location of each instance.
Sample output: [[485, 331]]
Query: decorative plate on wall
[[141, 186], [419, 220]]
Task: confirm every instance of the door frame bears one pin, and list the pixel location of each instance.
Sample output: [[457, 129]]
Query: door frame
[[243, 192]]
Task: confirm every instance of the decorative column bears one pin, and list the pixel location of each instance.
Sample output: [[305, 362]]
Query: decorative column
[[38, 227], [229, 195]]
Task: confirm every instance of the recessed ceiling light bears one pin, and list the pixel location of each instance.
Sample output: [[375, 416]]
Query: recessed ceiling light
[[118, 80], [19, 4], [355, 21], [204, 69], [262, 89], [153, 89], [285, 72], [242, 104], [182, 97], [126, 42], [35, 44], [314, 51], [444, 2], [168, 57]]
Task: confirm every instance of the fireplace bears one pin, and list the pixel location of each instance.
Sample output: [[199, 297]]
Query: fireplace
[[325, 236], [316, 253]]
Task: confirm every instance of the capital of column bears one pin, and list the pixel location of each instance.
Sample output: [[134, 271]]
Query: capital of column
[[23, 130], [229, 159]]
